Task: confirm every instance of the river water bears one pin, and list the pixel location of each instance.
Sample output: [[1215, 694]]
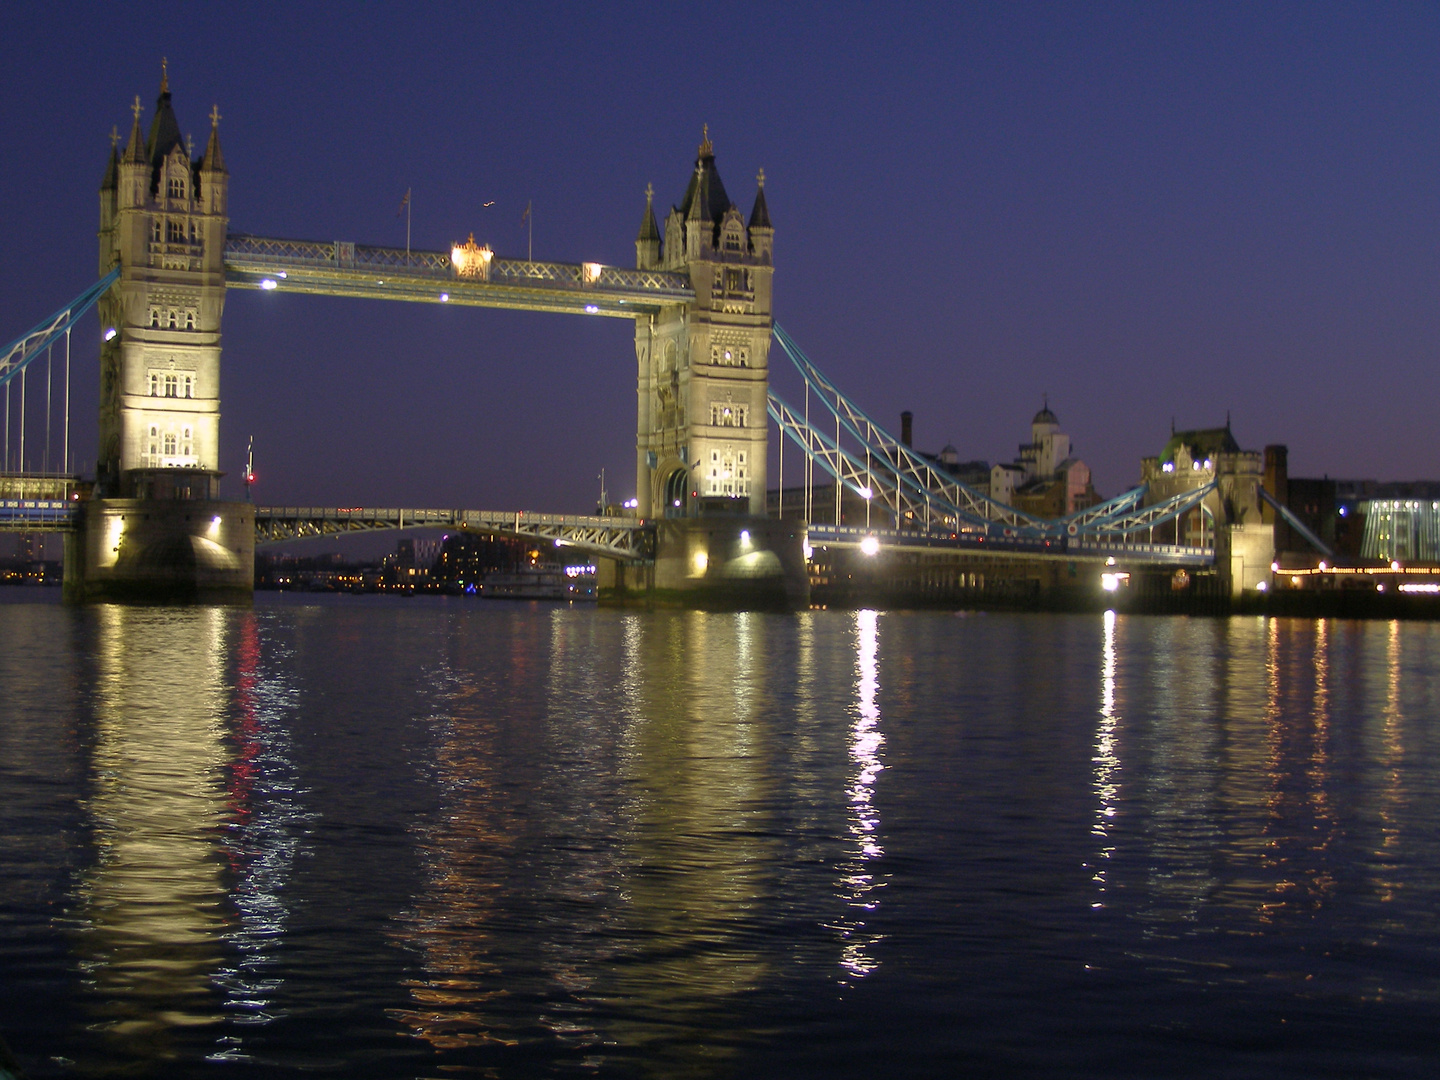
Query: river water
[[368, 837]]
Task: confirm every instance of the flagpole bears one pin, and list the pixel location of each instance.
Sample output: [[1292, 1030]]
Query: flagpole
[[530, 221], [407, 226]]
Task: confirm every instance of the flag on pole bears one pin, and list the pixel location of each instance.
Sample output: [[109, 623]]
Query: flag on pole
[[526, 215], [403, 203]]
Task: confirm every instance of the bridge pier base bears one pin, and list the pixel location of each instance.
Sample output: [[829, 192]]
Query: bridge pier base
[[161, 551], [716, 563]]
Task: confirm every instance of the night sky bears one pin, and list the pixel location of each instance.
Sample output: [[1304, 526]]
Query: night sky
[[1144, 211]]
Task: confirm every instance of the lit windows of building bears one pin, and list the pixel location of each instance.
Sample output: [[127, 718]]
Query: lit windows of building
[[728, 414], [728, 473]]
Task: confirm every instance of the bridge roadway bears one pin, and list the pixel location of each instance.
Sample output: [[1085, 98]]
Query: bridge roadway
[[1084, 549], [626, 539], [346, 269]]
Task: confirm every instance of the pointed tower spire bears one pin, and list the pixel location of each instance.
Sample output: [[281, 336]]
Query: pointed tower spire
[[647, 244], [214, 160], [135, 148], [164, 75], [760, 214], [112, 168]]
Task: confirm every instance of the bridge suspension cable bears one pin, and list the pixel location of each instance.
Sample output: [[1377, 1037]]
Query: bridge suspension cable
[[920, 496], [897, 467], [15, 360]]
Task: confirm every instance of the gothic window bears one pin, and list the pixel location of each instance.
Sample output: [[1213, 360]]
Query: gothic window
[[157, 228], [176, 232], [187, 441], [732, 241], [172, 319], [169, 444], [727, 414], [155, 317], [154, 449], [190, 320], [177, 187], [734, 280], [187, 386], [728, 473], [172, 386], [742, 356], [154, 384]]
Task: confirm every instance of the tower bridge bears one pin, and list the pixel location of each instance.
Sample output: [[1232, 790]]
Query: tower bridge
[[700, 296]]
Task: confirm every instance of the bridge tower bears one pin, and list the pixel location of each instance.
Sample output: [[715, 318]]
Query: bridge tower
[[156, 528], [700, 442], [163, 220]]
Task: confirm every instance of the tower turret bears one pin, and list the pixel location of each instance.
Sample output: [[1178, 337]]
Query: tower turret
[[762, 233], [160, 371], [647, 244]]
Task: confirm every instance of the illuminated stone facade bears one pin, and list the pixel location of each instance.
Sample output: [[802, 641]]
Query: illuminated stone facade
[[700, 441], [163, 220]]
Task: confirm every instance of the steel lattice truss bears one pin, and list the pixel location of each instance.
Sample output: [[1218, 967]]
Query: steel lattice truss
[[896, 466], [25, 348], [921, 496], [346, 269], [627, 539]]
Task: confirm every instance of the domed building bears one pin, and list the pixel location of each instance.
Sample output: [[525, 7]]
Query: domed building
[[1045, 480]]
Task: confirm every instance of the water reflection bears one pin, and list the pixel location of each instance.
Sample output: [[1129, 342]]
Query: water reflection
[[1106, 760], [268, 820], [464, 849], [151, 908], [858, 881]]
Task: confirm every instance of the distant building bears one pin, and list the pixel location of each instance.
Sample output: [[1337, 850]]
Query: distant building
[[1045, 480]]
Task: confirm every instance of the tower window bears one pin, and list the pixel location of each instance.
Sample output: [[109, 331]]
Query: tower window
[[187, 441], [187, 386], [177, 187], [172, 386], [189, 320], [154, 449], [176, 232], [155, 317], [170, 444], [157, 230]]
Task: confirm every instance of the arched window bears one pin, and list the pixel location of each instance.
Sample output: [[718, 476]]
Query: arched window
[[187, 441], [169, 444], [154, 446]]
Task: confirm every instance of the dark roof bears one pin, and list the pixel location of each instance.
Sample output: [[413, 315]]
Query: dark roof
[[760, 215], [214, 160], [164, 137], [112, 171], [648, 228], [705, 198], [1201, 443], [1045, 416]]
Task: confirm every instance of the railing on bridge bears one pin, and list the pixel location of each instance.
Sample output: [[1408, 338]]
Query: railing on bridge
[[627, 539], [340, 268], [40, 502]]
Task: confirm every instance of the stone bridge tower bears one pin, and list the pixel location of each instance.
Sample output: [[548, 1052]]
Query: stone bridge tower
[[700, 440], [156, 529], [163, 220]]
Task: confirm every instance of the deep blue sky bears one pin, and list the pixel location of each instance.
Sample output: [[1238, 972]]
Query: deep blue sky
[[1144, 211]]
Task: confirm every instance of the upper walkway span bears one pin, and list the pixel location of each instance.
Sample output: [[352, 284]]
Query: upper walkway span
[[339, 268]]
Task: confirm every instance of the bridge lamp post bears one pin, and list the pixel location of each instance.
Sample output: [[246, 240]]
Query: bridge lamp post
[[870, 546]]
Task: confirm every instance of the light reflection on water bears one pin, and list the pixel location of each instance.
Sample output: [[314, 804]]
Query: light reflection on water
[[410, 839], [150, 911]]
